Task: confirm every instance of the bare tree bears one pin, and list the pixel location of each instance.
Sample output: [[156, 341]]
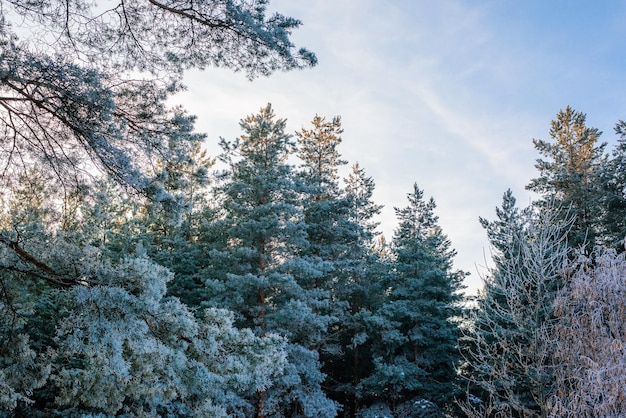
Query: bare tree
[[590, 340]]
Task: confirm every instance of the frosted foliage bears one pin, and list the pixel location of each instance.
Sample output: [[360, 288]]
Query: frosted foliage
[[84, 84], [378, 410], [300, 385], [20, 373], [590, 339], [85, 120], [128, 350], [108, 341], [248, 363], [167, 35]]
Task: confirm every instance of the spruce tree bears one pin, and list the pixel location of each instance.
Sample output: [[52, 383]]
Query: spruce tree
[[503, 231], [418, 352]]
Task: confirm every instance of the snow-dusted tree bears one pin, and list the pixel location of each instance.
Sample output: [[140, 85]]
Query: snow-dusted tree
[[112, 342], [359, 190], [339, 234], [171, 229], [125, 348], [22, 370], [121, 347], [325, 209], [185, 179], [509, 353], [267, 281], [417, 353], [24, 213], [590, 339], [78, 101], [71, 119], [172, 35], [568, 178]]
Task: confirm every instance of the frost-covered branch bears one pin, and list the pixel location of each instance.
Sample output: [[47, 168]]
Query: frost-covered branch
[[170, 35], [67, 97]]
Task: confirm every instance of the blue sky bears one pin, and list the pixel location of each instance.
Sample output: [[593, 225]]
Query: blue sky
[[447, 94]]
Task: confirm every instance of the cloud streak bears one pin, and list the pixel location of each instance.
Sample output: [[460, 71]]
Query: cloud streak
[[447, 94]]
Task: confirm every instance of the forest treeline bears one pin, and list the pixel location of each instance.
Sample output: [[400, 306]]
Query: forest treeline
[[140, 277]]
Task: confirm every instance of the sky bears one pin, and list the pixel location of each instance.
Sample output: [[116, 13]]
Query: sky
[[446, 94]]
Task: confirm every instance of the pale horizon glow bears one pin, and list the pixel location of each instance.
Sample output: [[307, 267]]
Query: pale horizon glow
[[447, 94]]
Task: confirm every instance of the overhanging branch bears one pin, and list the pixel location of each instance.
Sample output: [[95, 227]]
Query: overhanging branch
[[43, 271]]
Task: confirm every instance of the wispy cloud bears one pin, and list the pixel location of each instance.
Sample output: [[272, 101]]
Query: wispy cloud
[[447, 94]]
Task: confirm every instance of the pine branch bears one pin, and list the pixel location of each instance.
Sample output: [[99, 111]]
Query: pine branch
[[43, 271]]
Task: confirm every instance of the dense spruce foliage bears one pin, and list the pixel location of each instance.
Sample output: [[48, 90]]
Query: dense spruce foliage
[[140, 277]]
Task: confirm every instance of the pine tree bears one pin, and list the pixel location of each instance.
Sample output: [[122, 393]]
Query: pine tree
[[267, 281], [71, 98], [338, 223], [79, 314], [418, 352], [83, 105], [325, 209], [147, 353], [356, 290], [317, 148], [174, 230], [84, 306], [26, 323], [568, 179]]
